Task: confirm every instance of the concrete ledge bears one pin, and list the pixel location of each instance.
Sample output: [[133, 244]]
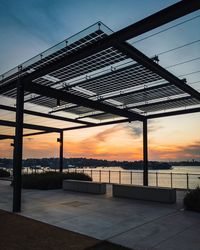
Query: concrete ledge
[[84, 186], [166, 195]]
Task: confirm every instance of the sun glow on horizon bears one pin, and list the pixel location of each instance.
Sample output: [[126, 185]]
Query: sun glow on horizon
[[175, 138]]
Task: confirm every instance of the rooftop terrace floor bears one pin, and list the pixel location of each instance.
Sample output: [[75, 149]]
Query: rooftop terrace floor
[[136, 224]]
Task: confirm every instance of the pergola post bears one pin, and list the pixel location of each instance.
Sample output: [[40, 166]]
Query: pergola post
[[61, 151], [145, 153], [18, 148]]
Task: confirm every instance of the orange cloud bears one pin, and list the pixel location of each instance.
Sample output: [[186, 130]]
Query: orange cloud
[[176, 152], [120, 142]]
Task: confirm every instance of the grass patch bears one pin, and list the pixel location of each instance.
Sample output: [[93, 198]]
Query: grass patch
[[192, 200], [4, 173], [50, 180]]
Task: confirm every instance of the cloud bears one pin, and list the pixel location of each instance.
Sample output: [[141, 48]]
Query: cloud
[[154, 126], [134, 129], [102, 136], [173, 152], [190, 150], [100, 146]]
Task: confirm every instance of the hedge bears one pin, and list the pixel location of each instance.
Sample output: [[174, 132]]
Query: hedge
[[50, 180], [4, 173], [192, 200]]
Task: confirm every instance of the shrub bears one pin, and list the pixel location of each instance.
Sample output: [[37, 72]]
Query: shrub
[[50, 180], [192, 200], [4, 173]]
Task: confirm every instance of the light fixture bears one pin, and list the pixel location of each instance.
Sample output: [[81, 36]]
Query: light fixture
[[58, 103]]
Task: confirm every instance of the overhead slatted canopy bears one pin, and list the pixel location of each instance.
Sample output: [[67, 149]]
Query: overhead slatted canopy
[[116, 79], [169, 104]]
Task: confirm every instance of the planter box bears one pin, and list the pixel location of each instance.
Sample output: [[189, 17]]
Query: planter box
[[166, 195], [84, 186]]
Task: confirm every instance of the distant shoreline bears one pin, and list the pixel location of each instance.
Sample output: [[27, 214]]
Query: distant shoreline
[[85, 162]]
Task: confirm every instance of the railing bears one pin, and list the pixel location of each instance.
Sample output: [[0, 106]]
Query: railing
[[158, 179]]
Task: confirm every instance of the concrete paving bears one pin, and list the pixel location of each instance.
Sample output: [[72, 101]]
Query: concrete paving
[[136, 224]]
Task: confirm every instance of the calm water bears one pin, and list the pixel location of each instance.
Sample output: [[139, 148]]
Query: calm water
[[178, 177]]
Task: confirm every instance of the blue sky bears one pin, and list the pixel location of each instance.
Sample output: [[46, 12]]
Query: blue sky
[[28, 27]]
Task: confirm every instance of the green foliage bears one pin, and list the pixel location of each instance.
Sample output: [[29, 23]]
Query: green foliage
[[4, 173], [50, 180], [192, 200]]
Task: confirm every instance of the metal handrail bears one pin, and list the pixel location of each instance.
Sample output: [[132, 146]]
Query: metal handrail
[[134, 177]]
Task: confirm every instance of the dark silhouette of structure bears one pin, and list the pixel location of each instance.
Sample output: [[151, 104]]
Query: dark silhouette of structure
[[77, 76]]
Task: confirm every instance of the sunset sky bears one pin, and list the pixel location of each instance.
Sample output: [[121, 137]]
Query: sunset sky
[[32, 26]]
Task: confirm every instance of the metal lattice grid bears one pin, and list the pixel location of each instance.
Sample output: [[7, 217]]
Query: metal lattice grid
[[147, 95], [47, 102], [80, 110], [104, 116], [170, 104], [89, 64], [120, 80], [82, 39]]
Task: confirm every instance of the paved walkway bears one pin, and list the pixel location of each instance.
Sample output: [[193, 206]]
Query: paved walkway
[[135, 224]]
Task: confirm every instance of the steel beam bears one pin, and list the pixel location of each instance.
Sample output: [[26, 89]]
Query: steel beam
[[126, 94], [18, 148], [153, 21], [138, 91], [174, 113], [99, 124], [145, 153], [138, 56], [4, 137], [39, 133], [185, 98], [7, 87], [35, 113], [82, 101], [29, 126]]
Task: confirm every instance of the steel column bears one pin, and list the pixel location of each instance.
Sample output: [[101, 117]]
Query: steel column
[[61, 151], [18, 148], [145, 154]]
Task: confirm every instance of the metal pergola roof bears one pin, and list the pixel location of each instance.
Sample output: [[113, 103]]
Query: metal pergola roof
[[105, 76], [97, 77]]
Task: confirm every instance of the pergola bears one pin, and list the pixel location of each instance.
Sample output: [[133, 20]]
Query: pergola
[[96, 78]]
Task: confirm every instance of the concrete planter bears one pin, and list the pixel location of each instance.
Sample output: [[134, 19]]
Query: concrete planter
[[166, 195], [84, 186]]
